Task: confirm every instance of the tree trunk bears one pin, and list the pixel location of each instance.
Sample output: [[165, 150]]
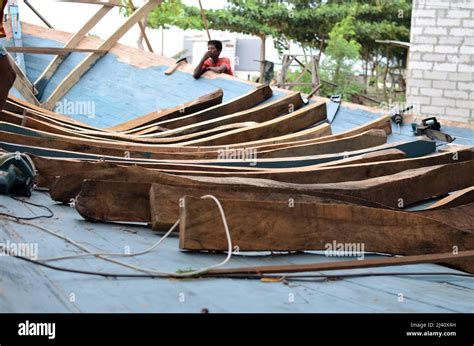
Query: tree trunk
[[262, 58], [386, 72], [162, 40], [366, 72]]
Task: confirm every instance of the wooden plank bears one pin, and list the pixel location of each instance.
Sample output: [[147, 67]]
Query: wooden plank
[[109, 200], [24, 136], [342, 265], [70, 132], [250, 158], [457, 198], [274, 226], [396, 190], [22, 83], [49, 71], [295, 121], [383, 122], [241, 103], [165, 199], [48, 168], [262, 113], [356, 168], [53, 50], [196, 105], [383, 192], [74, 76], [461, 216], [365, 140], [108, 3], [20, 106], [142, 27]]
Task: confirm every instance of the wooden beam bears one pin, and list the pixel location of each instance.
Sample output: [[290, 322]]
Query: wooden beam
[[196, 105], [73, 77], [73, 172], [398, 190], [49, 71], [142, 28], [342, 265], [108, 3], [109, 200], [380, 192], [455, 199], [292, 122], [52, 50], [280, 226], [22, 83], [371, 138], [260, 113], [241, 103]]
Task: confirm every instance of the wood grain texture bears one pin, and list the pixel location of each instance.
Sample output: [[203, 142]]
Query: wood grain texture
[[274, 226], [199, 104]]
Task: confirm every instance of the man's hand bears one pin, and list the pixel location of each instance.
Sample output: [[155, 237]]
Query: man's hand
[[199, 70]]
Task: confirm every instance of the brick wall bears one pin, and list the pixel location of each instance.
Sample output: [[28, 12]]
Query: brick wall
[[441, 63]]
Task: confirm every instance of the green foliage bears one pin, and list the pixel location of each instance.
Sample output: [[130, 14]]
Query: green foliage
[[168, 13], [344, 30], [341, 53], [341, 49]]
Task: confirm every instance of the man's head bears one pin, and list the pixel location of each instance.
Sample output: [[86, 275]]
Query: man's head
[[214, 48]]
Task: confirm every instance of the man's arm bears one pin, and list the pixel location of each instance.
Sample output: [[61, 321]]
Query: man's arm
[[218, 69], [199, 70]]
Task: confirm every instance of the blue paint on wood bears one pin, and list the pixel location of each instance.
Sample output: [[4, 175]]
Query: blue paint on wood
[[412, 149], [113, 91]]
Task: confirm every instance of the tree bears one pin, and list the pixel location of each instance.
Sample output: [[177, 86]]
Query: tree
[[342, 52], [167, 13]]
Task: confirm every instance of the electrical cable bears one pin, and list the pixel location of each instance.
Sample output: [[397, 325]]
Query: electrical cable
[[298, 277], [51, 214], [144, 270]]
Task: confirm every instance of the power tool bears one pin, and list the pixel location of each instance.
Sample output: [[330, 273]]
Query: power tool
[[397, 114], [17, 174], [431, 128]]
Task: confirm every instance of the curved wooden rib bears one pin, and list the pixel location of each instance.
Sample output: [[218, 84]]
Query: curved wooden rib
[[382, 192], [457, 198], [18, 106], [371, 138], [241, 103], [261, 113], [197, 105], [292, 122]]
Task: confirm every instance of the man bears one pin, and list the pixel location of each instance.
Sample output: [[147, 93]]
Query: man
[[211, 61], [7, 74]]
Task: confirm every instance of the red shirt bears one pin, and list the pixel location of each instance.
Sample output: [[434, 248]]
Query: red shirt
[[220, 62], [3, 3]]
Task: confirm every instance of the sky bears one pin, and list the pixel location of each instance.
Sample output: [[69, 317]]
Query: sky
[[70, 17]]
